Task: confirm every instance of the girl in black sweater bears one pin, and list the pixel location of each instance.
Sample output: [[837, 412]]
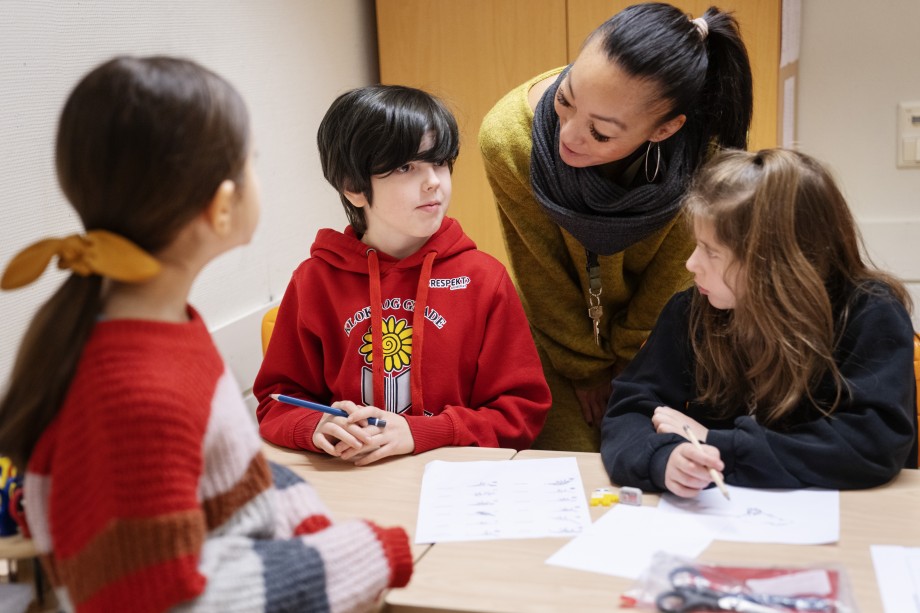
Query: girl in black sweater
[[791, 359]]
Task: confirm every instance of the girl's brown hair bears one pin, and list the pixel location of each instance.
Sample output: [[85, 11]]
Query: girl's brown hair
[[142, 146], [797, 252]]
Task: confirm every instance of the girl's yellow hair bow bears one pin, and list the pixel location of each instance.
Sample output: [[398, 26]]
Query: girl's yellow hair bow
[[97, 252]]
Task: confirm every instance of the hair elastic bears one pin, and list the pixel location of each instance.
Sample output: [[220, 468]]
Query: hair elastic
[[701, 26], [97, 252]]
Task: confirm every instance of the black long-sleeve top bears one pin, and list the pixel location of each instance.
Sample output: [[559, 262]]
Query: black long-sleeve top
[[870, 436]]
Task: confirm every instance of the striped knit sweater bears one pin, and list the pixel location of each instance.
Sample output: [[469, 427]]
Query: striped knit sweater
[[149, 492]]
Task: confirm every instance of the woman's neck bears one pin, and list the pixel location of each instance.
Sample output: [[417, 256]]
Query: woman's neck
[[623, 172]]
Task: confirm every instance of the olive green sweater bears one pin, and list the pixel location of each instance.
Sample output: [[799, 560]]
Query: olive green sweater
[[549, 264]]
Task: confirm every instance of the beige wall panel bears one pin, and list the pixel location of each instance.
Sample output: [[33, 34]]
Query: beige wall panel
[[760, 28], [288, 58], [470, 53]]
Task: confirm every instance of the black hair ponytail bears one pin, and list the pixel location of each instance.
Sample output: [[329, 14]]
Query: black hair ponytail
[[727, 98], [46, 363]]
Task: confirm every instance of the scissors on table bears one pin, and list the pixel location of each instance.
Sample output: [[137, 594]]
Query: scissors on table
[[693, 592]]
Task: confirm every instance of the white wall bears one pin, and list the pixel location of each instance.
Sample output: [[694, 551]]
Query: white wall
[[288, 58], [858, 61]]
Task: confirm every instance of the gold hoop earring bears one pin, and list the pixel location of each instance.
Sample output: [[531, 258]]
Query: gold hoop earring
[[657, 160]]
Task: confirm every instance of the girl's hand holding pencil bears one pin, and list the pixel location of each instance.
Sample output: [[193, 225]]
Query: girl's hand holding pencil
[[670, 421], [691, 467], [716, 476]]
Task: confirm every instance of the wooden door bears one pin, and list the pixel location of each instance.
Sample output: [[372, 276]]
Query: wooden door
[[470, 53]]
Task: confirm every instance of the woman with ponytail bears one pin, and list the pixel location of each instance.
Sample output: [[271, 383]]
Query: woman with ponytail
[[588, 164], [145, 485]]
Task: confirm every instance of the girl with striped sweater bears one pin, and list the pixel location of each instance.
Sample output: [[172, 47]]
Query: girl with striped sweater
[[145, 486]]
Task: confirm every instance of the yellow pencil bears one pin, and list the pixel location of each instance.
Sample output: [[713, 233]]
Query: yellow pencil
[[716, 477]]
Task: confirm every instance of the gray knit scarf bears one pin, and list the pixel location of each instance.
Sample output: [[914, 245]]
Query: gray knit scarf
[[605, 217]]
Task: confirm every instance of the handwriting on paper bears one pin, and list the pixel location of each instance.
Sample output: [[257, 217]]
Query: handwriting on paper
[[804, 517], [466, 501]]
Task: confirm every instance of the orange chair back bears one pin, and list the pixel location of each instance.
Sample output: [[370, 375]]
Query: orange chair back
[[268, 325], [917, 379]]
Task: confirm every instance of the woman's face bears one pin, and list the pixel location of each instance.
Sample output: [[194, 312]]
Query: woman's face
[[605, 114]]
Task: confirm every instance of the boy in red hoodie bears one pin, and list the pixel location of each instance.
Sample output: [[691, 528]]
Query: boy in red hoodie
[[400, 317]]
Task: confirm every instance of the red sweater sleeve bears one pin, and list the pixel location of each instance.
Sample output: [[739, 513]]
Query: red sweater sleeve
[[292, 366]]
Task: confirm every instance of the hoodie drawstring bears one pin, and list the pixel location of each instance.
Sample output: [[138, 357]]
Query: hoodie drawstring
[[418, 332], [373, 266]]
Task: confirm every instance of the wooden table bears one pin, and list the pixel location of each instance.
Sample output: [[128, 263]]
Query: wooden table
[[385, 492], [511, 576], [16, 548]]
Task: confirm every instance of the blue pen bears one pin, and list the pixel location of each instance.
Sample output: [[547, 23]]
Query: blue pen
[[371, 421]]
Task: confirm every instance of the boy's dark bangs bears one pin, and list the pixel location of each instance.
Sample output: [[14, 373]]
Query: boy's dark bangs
[[403, 133], [446, 139]]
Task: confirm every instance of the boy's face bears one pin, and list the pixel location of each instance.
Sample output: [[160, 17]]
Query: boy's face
[[409, 205]]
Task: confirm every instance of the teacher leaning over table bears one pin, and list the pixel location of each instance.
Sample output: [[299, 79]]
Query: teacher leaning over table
[[588, 164]]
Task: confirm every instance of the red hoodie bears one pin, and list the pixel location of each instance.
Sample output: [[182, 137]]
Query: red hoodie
[[469, 376]]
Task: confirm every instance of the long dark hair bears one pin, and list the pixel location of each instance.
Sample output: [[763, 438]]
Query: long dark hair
[[142, 146], [708, 79], [376, 129], [798, 255]]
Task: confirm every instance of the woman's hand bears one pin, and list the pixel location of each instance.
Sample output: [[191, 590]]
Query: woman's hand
[[687, 472], [393, 439], [593, 401], [669, 421]]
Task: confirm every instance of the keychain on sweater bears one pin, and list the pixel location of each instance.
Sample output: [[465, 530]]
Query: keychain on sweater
[[595, 310]]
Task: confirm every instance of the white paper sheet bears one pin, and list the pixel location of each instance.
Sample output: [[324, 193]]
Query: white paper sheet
[[801, 517], [897, 570], [470, 501], [623, 541]]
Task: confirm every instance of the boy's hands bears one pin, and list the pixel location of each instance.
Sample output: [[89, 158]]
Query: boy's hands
[[355, 441], [332, 431]]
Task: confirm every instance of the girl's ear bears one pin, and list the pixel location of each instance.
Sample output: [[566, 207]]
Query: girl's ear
[[358, 199], [668, 128], [219, 214]]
